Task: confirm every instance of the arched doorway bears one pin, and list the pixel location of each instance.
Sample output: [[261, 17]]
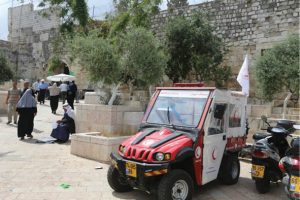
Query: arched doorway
[[66, 69]]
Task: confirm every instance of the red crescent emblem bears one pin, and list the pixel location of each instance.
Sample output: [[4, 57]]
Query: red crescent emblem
[[213, 155]]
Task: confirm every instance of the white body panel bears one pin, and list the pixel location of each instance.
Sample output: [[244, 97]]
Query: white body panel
[[232, 125]]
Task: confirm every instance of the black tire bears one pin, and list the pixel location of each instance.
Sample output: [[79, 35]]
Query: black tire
[[179, 179], [229, 172], [262, 185], [116, 182]]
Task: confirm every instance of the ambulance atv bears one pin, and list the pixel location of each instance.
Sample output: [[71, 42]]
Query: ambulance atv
[[189, 134]]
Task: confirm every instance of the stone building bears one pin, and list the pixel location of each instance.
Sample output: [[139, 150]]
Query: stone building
[[30, 35], [245, 26]]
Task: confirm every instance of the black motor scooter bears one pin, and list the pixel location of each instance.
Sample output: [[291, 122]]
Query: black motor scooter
[[290, 167], [267, 152]]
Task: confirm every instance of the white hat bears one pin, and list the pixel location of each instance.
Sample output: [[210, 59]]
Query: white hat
[[65, 105]]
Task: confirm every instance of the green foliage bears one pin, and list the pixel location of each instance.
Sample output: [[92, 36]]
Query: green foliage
[[179, 43], [194, 48], [173, 4], [142, 58], [135, 13], [5, 71], [70, 11], [99, 57], [54, 63], [134, 57], [278, 69]]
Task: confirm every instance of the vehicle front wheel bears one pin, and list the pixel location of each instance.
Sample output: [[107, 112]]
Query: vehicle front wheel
[[177, 184], [116, 181], [262, 185]]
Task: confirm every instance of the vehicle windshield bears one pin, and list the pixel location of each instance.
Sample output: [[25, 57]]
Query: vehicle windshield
[[178, 107]]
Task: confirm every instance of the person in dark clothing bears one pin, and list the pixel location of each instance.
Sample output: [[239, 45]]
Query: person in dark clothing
[[27, 110], [43, 87], [71, 94], [26, 86], [54, 97], [65, 126]]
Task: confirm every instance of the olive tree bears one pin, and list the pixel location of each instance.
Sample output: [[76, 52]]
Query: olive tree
[[142, 58], [132, 58], [278, 69], [193, 47]]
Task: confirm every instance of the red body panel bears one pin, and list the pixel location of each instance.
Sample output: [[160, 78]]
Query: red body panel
[[143, 152]]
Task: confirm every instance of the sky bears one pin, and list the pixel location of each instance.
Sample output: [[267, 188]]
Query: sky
[[100, 7]]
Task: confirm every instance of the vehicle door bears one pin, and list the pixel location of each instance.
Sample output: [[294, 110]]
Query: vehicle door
[[214, 140]]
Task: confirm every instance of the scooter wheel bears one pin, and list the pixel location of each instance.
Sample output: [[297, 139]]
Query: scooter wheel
[[262, 185]]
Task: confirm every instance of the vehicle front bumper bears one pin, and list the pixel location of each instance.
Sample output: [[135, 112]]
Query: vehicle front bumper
[[146, 172]]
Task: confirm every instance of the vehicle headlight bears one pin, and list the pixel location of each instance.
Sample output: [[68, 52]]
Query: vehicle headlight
[[122, 149], [159, 156]]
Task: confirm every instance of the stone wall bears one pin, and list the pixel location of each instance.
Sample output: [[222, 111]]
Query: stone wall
[[30, 34], [6, 50], [3, 105], [108, 120], [245, 26]]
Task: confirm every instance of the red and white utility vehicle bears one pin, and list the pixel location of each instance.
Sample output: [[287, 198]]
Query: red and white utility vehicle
[[189, 134]]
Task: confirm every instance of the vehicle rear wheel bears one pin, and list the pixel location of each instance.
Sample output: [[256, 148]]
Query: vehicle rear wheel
[[229, 172], [116, 181], [178, 184], [262, 185]]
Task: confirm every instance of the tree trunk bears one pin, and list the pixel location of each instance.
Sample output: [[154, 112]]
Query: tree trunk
[[287, 98], [114, 94], [150, 91]]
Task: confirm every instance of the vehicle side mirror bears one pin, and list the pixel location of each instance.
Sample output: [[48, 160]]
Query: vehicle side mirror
[[219, 111]]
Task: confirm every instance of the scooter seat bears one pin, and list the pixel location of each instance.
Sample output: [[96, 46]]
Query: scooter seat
[[278, 131], [259, 136]]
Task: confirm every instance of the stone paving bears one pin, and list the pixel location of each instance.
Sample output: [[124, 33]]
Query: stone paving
[[34, 171]]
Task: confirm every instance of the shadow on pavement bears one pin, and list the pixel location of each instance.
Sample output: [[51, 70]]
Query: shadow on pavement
[[135, 194], [37, 130], [5, 153]]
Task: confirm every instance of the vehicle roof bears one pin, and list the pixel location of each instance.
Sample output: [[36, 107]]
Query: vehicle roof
[[186, 88]]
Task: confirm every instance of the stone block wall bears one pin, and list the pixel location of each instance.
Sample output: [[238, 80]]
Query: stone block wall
[[3, 105], [108, 120], [30, 35], [245, 26], [95, 147]]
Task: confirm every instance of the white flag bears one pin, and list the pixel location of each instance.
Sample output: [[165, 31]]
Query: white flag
[[243, 77]]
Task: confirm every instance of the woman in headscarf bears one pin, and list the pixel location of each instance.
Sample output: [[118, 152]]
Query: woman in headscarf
[[54, 97], [65, 126], [26, 108]]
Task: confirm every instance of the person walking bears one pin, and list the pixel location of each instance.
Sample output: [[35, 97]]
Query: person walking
[[12, 99], [72, 90], [43, 86], [54, 97], [26, 107], [63, 91], [25, 87], [35, 86]]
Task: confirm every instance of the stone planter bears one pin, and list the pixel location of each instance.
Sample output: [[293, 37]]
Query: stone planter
[[3, 105], [111, 121], [95, 146]]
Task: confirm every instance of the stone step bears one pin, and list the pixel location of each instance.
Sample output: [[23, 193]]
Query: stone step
[[290, 111], [289, 117]]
